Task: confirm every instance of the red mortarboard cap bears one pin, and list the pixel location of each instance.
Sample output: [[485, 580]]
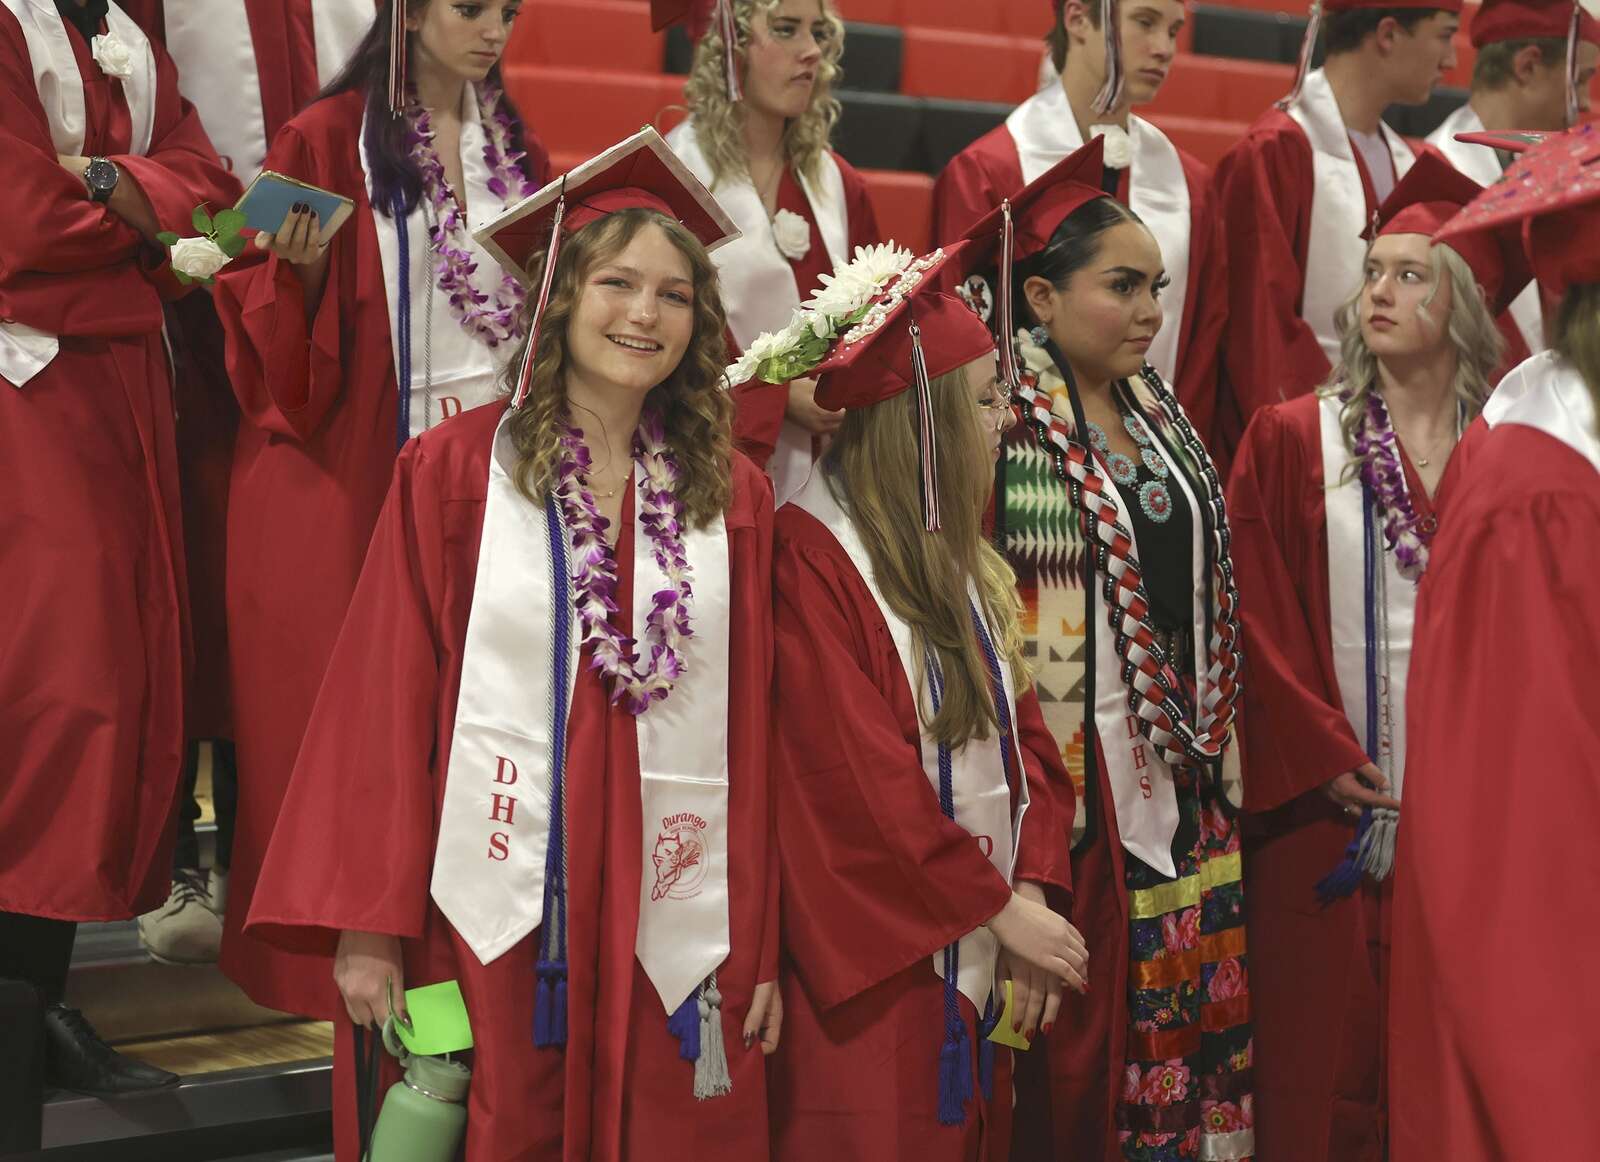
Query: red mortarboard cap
[[1022, 227], [1499, 20], [1553, 190], [1433, 192], [1506, 140], [696, 16], [1332, 7]]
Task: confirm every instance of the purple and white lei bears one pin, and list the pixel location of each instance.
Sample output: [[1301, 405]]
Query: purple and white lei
[[1375, 446], [493, 318], [667, 626]]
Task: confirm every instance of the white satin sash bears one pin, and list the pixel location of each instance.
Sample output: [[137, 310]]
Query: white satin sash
[[758, 284], [494, 826], [1546, 392], [982, 795]]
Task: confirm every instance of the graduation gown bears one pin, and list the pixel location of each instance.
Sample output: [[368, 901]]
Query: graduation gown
[[875, 878], [1278, 260], [355, 845], [93, 649], [1490, 1034], [311, 466], [991, 169], [1319, 974]]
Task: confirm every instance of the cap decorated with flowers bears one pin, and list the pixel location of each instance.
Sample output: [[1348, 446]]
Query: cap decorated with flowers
[[879, 325]]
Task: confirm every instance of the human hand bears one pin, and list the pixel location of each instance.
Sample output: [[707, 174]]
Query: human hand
[[369, 969], [802, 409], [73, 164], [1032, 934], [1035, 994], [1363, 787], [765, 1019], [296, 240]]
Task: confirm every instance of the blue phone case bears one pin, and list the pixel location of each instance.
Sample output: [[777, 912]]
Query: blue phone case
[[268, 200]]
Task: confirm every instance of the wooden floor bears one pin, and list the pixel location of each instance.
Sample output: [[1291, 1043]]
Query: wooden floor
[[236, 1048]]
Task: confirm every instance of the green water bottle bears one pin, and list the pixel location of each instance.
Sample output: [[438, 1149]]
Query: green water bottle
[[424, 1115]]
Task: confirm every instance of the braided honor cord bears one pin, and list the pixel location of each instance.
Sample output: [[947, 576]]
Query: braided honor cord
[[1155, 693]]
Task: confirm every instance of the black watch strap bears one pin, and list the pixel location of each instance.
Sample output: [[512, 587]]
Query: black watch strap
[[101, 177]]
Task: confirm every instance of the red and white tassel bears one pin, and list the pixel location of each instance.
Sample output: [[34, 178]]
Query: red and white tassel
[[1110, 94], [1308, 45], [730, 47], [1005, 308], [525, 372], [397, 59], [1572, 63], [927, 439]]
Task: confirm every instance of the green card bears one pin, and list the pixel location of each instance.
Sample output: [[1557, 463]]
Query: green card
[[1004, 1032], [438, 1020]]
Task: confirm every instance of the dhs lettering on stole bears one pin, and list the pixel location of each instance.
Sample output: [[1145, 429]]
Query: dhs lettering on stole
[[502, 809], [1140, 759]]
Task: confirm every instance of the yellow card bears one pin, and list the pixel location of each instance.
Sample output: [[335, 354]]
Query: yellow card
[[1005, 1031]]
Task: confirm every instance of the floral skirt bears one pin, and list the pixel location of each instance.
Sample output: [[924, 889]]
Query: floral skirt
[[1186, 1086]]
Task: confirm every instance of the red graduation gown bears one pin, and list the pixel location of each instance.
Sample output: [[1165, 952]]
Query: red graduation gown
[[311, 466], [1492, 1029], [759, 407], [989, 170], [1318, 974], [875, 879], [354, 847], [93, 649]]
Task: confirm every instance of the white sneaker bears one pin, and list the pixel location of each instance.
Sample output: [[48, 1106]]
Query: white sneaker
[[219, 890], [184, 930]]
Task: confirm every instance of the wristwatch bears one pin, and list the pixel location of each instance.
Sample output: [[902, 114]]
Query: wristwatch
[[101, 178]]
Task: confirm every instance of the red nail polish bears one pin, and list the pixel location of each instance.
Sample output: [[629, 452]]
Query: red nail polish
[[1048, 1026], [1016, 1026], [1028, 1036]]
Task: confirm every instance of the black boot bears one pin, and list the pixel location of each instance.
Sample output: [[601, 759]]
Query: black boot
[[77, 1059]]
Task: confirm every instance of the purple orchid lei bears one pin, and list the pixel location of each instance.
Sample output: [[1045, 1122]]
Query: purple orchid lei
[[667, 626], [1379, 451], [495, 319]]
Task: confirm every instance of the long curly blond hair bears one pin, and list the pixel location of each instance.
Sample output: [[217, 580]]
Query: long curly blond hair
[[719, 122], [1473, 333], [695, 409], [874, 468]]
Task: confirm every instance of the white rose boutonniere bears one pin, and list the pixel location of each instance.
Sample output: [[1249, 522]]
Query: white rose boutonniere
[[199, 258], [792, 233], [114, 58], [1119, 146]]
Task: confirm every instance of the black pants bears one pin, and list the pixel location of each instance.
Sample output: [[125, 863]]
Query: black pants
[[38, 951], [224, 797]]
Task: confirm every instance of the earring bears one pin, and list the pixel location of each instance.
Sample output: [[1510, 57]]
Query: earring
[[1039, 336]]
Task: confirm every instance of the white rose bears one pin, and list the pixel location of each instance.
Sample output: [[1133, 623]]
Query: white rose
[[199, 258], [114, 58], [792, 233], [1119, 146]]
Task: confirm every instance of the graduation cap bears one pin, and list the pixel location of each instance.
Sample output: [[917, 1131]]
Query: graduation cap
[[1321, 8], [1433, 192], [696, 16], [1020, 228], [1499, 20], [639, 172], [1553, 192]]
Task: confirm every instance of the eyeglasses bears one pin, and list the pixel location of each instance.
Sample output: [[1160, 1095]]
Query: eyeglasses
[[997, 411]]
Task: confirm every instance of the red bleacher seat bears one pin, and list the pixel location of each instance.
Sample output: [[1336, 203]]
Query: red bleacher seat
[[872, 11], [970, 66], [903, 203], [584, 110], [605, 34], [1206, 139], [1219, 88]]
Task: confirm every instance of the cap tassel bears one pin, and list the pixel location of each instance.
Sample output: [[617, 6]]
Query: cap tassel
[[397, 59], [927, 441], [525, 372], [1572, 63], [730, 45], [1110, 94], [1308, 45], [1005, 308]]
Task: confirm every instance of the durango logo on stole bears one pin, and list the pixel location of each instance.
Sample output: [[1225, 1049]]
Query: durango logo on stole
[[680, 857]]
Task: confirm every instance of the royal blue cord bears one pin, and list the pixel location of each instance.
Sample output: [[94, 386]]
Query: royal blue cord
[[403, 340], [550, 1008]]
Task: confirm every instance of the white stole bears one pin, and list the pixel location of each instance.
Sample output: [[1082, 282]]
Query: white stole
[[1045, 132], [25, 351], [1344, 506], [465, 370], [1142, 790], [982, 795], [1546, 392], [494, 826], [1339, 215], [758, 284], [1480, 163]]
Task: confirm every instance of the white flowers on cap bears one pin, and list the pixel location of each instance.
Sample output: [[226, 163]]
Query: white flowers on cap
[[792, 233], [114, 58], [1119, 146], [199, 258]]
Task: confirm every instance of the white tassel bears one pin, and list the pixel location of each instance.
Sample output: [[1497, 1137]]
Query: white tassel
[[1376, 855], [711, 1077]]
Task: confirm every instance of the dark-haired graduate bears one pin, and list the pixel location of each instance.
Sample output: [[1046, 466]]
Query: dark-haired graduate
[[1335, 497], [924, 808], [538, 766], [338, 355], [1305, 182], [1110, 510], [1490, 1033]]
